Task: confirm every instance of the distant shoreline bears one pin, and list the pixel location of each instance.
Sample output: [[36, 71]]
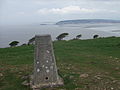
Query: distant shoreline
[[87, 21]]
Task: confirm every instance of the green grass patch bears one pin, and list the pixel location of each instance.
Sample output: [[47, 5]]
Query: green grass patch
[[98, 59]]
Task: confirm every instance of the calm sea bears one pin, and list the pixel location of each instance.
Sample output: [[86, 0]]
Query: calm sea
[[23, 33]]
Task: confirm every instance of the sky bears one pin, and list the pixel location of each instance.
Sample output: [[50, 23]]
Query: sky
[[14, 12]]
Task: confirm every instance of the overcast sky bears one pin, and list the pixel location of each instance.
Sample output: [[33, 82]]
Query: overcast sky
[[36, 11]]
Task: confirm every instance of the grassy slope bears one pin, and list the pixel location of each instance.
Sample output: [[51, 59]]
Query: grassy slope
[[84, 64]]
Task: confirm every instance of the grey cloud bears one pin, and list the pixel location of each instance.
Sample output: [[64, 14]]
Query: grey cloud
[[24, 11]]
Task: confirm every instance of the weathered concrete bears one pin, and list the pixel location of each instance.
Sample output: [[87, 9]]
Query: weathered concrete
[[45, 70]]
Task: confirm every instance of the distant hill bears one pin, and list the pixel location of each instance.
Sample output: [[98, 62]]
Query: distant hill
[[87, 21], [43, 24]]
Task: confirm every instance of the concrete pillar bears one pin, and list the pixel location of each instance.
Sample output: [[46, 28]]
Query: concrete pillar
[[45, 70]]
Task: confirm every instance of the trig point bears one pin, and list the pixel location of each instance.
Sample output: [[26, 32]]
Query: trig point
[[45, 70]]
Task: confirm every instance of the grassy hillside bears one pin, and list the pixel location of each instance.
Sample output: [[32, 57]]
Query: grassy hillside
[[83, 64]]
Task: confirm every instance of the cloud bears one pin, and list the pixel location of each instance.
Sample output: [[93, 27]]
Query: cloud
[[20, 13], [68, 9], [73, 9]]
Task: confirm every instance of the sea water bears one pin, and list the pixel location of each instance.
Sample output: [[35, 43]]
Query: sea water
[[23, 33]]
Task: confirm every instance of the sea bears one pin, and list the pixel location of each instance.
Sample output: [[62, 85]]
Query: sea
[[23, 33]]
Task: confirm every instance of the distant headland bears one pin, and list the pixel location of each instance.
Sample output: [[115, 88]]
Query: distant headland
[[79, 21]]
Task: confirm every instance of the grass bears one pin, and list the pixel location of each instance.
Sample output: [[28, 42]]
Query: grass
[[84, 64]]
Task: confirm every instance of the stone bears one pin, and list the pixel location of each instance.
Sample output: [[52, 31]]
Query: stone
[[111, 57], [25, 83], [25, 77], [112, 88], [71, 77], [84, 75], [117, 68], [98, 77], [1, 74], [45, 69]]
